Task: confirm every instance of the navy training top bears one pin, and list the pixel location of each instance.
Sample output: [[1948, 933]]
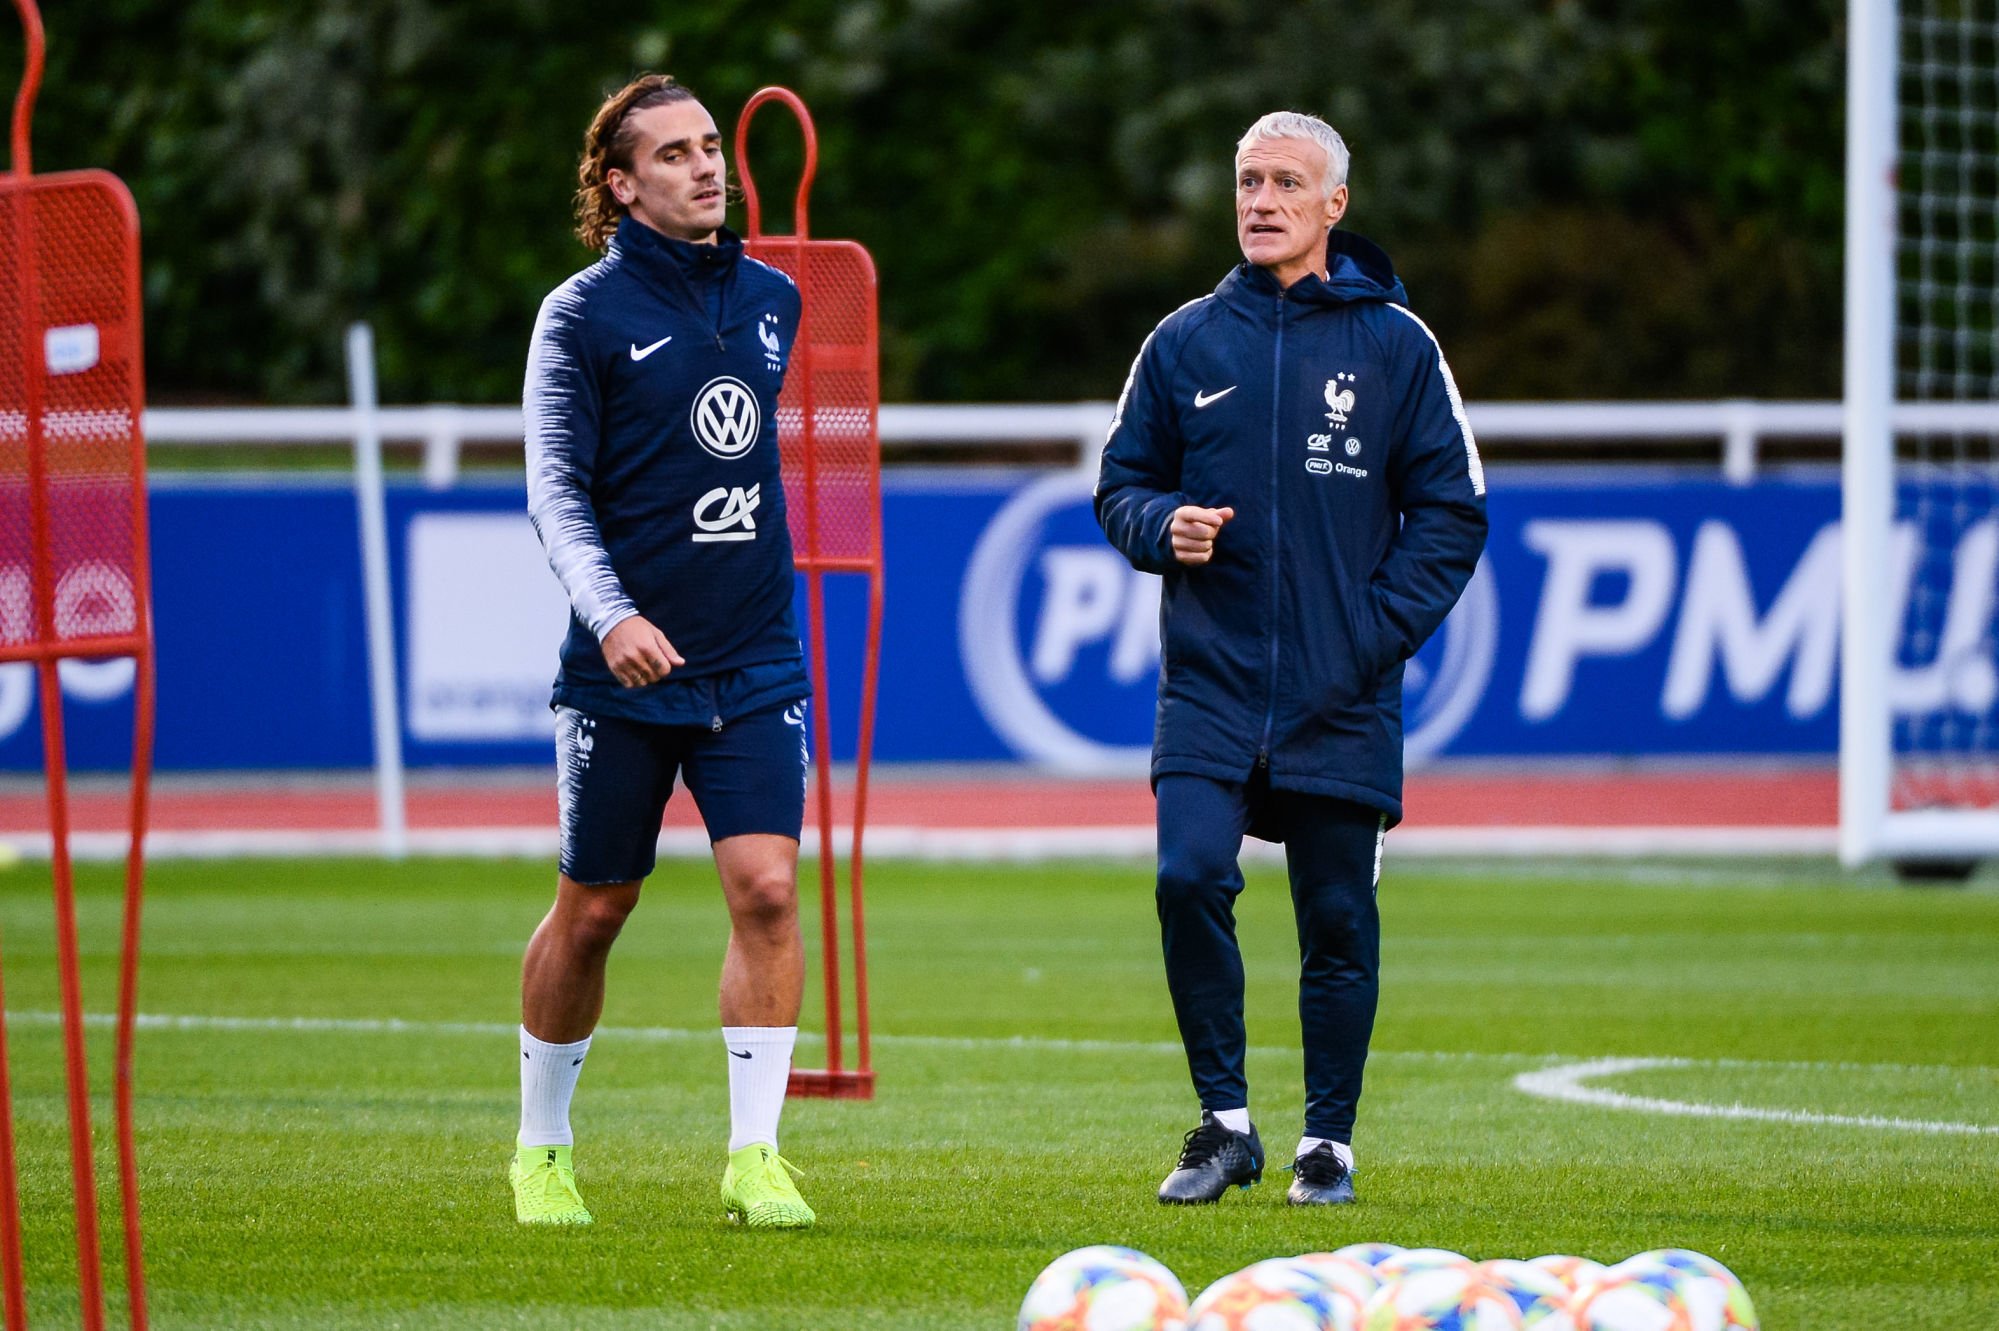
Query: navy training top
[[652, 469]]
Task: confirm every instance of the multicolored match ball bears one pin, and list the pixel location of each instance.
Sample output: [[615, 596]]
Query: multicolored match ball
[[1104, 1288]]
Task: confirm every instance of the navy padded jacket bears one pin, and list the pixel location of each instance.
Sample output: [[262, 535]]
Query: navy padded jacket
[[653, 480], [1326, 416]]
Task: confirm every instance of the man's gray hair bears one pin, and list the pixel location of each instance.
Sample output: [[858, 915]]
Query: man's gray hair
[[1298, 125]]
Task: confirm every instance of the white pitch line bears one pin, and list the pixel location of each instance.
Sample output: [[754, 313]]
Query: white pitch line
[[1565, 1083], [1566, 1065]]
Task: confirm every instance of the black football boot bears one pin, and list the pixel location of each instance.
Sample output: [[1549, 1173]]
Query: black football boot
[[1213, 1159], [1319, 1179]]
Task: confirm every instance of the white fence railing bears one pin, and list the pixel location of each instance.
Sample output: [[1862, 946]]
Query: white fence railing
[[1739, 426]]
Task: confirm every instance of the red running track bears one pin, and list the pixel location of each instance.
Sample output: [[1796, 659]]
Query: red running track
[[1805, 798]]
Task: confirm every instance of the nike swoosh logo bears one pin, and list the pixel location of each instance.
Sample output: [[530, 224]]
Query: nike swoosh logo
[[640, 353], [734, 1054], [1203, 399]]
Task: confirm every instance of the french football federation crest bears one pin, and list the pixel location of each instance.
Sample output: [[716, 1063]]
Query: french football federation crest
[[767, 334], [1339, 398]]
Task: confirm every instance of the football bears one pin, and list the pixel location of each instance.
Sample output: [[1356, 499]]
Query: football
[[1540, 1295], [1575, 1272], [1633, 1302], [1104, 1288], [1353, 1280], [1276, 1295], [1411, 1260], [1368, 1254], [1714, 1295], [1443, 1298]]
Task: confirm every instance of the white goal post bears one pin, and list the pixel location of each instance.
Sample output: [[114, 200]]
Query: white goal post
[[1919, 719], [1868, 460]]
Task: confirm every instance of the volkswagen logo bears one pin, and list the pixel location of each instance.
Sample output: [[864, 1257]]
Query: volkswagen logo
[[726, 417]]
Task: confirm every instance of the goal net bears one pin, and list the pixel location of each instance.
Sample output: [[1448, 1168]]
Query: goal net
[[1921, 768]]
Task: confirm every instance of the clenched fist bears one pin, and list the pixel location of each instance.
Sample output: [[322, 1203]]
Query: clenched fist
[[638, 653], [1194, 530]]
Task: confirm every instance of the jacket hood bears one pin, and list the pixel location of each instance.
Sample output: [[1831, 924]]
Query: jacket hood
[[1356, 269]]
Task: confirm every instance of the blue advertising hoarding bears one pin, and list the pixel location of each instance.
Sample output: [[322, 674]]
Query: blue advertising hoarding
[[1616, 612]]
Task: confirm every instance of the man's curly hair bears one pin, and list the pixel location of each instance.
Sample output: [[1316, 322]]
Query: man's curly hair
[[608, 144]]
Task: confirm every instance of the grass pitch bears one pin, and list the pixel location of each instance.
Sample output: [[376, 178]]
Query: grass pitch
[[348, 1172]]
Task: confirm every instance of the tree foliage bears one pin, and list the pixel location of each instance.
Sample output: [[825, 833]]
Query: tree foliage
[[1585, 198]]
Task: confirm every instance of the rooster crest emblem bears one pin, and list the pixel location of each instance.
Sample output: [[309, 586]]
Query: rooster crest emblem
[[773, 349], [1339, 398]]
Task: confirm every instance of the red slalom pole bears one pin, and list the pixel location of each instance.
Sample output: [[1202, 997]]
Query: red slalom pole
[[833, 381], [83, 1168], [12, 1275], [870, 674], [144, 702], [31, 84], [12, 1279], [82, 1164], [822, 743]]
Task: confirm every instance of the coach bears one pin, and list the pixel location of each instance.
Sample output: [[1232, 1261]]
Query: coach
[[1291, 454]]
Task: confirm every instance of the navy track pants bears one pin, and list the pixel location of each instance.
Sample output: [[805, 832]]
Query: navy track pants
[[1332, 848]]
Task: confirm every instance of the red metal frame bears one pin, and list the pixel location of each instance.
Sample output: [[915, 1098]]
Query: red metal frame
[[795, 252], [20, 190]]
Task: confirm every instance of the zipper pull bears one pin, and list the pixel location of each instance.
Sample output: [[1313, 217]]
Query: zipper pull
[[718, 343], [715, 724], [1263, 758]]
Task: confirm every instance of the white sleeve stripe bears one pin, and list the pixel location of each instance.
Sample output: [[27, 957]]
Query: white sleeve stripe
[[789, 280], [1124, 395], [561, 511], [1473, 467]]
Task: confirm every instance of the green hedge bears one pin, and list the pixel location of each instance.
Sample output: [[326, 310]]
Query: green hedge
[[1585, 199]]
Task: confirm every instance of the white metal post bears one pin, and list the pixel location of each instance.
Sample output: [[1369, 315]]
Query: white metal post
[[1739, 443], [382, 691], [1873, 47], [440, 450]]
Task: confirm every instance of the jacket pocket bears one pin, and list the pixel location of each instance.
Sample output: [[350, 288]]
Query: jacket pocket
[[1378, 649], [1371, 652]]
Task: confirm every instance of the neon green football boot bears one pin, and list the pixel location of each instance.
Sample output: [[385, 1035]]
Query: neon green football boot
[[545, 1187], [757, 1190]]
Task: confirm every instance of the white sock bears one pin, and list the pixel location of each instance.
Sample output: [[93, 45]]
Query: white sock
[[1306, 1145], [1235, 1120], [759, 1071], [548, 1080]]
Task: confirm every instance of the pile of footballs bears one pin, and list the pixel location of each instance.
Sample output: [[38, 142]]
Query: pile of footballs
[[1380, 1287]]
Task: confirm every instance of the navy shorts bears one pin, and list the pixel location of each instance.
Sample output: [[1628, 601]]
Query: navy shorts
[[613, 777]]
